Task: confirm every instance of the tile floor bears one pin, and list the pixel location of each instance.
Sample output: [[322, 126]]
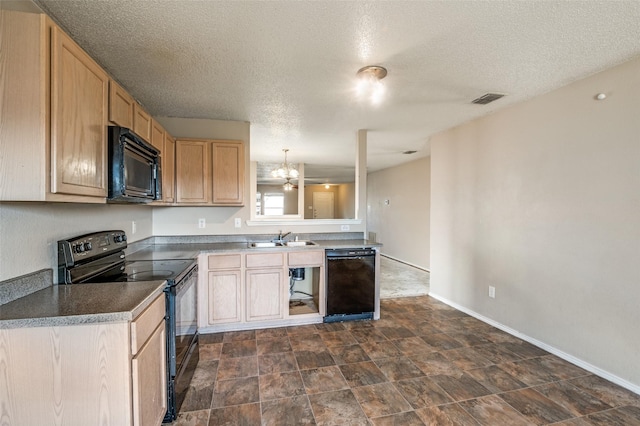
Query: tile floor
[[423, 363], [398, 279]]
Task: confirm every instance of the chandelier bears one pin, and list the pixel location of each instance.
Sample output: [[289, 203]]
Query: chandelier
[[285, 170]]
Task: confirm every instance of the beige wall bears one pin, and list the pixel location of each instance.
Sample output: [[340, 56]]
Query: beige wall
[[344, 200], [542, 201], [220, 220], [402, 225], [29, 231], [347, 200]]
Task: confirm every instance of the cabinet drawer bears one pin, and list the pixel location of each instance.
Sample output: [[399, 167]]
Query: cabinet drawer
[[306, 258], [259, 260], [225, 261], [144, 325]]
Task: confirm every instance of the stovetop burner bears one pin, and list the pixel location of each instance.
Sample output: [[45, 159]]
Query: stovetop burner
[[149, 270]]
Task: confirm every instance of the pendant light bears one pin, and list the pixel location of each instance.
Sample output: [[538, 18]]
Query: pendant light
[[285, 170]]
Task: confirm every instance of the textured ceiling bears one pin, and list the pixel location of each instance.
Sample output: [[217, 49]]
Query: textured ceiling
[[288, 67]]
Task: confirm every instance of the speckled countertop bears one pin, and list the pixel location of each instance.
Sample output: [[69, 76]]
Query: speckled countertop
[[192, 250], [80, 304]]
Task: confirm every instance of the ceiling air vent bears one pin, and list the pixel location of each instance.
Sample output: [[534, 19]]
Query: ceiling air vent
[[409, 152], [487, 98]]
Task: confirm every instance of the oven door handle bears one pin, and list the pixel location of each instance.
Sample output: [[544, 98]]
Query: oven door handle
[[187, 279]]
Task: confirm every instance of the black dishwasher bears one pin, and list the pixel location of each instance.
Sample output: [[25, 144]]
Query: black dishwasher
[[351, 277]]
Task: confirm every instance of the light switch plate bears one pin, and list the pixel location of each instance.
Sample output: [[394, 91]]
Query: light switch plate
[[237, 222]]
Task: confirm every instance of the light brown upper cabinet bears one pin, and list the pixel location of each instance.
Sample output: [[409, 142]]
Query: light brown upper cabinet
[[120, 106], [141, 122], [168, 169], [166, 144], [193, 172], [228, 173], [54, 114], [79, 91], [209, 172], [157, 135]]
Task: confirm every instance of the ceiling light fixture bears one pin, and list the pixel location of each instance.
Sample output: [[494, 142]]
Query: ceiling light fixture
[[288, 186], [285, 170], [370, 84]]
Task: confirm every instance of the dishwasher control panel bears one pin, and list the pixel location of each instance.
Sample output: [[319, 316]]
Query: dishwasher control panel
[[350, 252]]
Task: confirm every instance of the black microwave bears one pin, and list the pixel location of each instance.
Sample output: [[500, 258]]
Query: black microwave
[[134, 168]]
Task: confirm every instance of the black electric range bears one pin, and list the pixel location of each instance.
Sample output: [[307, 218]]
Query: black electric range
[[100, 257]]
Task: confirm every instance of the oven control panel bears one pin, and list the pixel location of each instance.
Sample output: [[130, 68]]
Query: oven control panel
[[88, 246]]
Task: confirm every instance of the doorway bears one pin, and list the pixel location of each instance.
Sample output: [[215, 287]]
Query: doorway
[[323, 205]]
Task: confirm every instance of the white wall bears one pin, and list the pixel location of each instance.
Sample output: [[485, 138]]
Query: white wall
[[542, 201], [29, 231], [402, 225]]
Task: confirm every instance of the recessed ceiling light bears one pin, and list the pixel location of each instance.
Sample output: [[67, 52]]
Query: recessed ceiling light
[[600, 97]]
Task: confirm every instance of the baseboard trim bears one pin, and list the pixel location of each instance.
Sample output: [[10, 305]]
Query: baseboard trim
[[406, 263], [551, 349]]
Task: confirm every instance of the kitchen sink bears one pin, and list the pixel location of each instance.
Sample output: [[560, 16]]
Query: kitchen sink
[[264, 244], [300, 243]]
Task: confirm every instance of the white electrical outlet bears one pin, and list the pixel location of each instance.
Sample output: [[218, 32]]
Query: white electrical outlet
[[237, 222], [134, 228], [492, 292], [344, 227], [202, 222]]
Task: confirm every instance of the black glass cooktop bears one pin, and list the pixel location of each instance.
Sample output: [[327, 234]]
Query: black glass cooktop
[[155, 270]]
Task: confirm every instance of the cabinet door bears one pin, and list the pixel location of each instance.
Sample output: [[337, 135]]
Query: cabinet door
[[224, 293], [168, 169], [24, 106], [228, 173], [264, 294], [79, 90], [120, 106], [141, 122], [193, 172], [149, 374], [157, 135]]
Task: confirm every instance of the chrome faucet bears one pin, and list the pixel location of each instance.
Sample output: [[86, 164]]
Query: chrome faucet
[[280, 238]]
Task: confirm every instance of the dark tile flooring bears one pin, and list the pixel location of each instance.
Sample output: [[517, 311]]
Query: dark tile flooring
[[423, 363]]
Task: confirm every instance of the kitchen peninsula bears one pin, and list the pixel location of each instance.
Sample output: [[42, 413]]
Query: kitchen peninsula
[[90, 329]]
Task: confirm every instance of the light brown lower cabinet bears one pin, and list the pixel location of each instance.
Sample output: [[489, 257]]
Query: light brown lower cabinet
[[224, 296], [88, 374], [246, 290], [264, 294]]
